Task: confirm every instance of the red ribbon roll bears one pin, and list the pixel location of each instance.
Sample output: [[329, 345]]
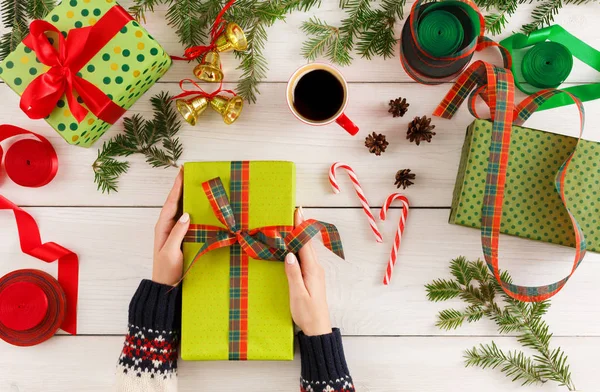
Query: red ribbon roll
[[28, 162], [32, 307], [68, 263]]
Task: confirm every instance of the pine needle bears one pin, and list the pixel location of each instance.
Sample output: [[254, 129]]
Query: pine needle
[[140, 137], [474, 283]]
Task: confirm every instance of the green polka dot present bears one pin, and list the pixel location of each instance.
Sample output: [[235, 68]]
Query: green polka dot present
[[532, 207], [82, 67]]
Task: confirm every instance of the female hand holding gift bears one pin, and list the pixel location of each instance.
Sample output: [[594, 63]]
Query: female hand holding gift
[[148, 361]]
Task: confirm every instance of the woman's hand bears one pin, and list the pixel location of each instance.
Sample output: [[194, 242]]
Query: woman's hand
[[308, 296], [168, 236]]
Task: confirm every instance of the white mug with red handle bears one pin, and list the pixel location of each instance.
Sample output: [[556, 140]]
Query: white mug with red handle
[[317, 94]]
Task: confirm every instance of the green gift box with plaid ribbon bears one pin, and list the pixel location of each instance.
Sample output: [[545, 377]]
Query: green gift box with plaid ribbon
[[235, 307], [123, 69], [532, 207]]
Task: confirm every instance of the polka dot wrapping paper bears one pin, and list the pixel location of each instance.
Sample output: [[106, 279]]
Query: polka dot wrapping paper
[[124, 69], [532, 207], [235, 307]]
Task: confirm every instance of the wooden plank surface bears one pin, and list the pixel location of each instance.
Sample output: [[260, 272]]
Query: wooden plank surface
[[391, 341], [115, 249], [378, 364]]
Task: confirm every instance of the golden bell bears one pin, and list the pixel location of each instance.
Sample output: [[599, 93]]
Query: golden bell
[[191, 109], [209, 69], [230, 108], [233, 38]]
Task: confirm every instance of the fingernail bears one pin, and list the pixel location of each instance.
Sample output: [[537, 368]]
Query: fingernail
[[290, 258], [301, 212], [185, 218]]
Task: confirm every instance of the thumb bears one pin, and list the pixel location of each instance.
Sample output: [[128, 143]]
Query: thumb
[[294, 275], [173, 243]]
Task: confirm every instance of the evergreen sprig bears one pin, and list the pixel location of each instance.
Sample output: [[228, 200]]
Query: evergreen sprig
[[473, 283], [193, 19], [155, 139], [542, 15], [16, 15], [366, 28]]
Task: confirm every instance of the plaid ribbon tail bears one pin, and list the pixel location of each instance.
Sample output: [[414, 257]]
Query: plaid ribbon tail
[[308, 229], [496, 87]]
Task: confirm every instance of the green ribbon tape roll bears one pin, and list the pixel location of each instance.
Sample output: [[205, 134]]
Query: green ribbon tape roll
[[547, 64], [440, 33], [544, 59]]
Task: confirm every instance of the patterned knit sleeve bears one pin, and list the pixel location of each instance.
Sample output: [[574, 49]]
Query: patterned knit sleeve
[[148, 362], [324, 366]]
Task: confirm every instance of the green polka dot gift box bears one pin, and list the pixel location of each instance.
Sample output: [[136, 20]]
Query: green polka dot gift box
[[110, 60], [532, 207]]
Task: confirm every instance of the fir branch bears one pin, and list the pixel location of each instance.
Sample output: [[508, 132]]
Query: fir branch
[[141, 137], [107, 169], [442, 290], [184, 16], [139, 8], [323, 37], [526, 319], [38, 9], [514, 364], [14, 17], [254, 64]]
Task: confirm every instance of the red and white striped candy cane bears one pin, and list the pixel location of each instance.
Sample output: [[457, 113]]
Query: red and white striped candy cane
[[359, 192], [383, 214]]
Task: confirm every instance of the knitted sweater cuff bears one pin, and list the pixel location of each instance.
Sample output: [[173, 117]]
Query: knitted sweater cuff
[[148, 361], [323, 362], [155, 307]]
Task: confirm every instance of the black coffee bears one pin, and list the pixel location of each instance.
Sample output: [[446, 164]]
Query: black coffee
[[318, 95]]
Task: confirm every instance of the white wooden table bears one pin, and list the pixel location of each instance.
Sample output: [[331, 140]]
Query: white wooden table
[[391, 342]]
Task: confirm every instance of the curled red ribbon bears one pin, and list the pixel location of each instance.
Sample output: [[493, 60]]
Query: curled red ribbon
[[218, 27], [68, 262], [199, 91], [28, 162], [41, 96]]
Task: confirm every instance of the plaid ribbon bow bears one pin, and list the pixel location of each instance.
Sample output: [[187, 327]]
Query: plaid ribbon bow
[[264, 243]]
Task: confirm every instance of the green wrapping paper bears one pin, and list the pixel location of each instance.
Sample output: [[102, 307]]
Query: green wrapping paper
[[206, 297], [532, 208], [124, 69]]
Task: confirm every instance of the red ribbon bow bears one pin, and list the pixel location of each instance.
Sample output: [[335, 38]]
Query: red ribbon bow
[[41, 96]]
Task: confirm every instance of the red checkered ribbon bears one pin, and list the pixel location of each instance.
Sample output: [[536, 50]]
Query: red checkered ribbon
[[496, 86], [264, 243]]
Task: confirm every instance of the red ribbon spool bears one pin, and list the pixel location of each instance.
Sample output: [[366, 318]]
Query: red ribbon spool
[[28, 162], [32, 307]]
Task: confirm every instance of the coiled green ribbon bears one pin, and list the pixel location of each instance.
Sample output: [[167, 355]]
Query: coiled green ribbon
[[544, 59]]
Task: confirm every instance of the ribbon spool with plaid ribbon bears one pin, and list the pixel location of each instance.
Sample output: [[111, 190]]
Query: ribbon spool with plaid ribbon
[[496, 86], [439, 39], [29, 162]]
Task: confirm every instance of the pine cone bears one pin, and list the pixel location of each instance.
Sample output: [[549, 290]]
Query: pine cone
[[403, 178], [398, 107], [376, 143], [419, 130]]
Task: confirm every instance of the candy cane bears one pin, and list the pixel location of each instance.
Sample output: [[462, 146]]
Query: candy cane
[[359, 192], [383, 214]]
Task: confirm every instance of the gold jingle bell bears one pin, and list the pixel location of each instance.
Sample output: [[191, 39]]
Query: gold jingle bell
[[192, 108], [209, 70], [229, 108], [233, 38]]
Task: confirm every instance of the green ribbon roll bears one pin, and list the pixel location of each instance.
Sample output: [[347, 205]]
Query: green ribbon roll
[[544, 59], [440, 33]]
